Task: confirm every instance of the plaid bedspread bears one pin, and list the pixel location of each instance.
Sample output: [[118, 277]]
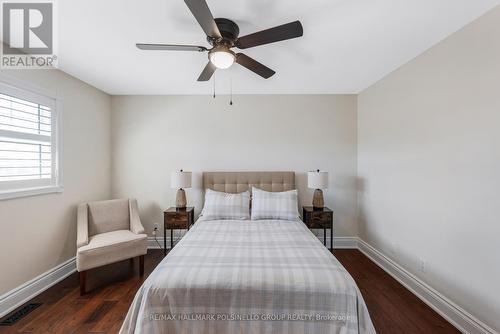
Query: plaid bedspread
[[248, 277]]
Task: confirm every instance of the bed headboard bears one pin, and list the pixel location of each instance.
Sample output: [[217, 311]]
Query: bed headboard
[[236, 182]]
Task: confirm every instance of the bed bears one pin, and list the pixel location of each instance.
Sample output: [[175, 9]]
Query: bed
[[241, 276]]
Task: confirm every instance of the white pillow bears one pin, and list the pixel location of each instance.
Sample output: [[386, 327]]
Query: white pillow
[[274, 205], [220, 205]]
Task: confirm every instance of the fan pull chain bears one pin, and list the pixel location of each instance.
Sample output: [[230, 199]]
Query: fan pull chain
[[231, 91], [214, 85]]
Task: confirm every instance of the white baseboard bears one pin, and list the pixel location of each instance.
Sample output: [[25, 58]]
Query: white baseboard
[[29, 290], [344, 242], [457, 316], [152, 244]]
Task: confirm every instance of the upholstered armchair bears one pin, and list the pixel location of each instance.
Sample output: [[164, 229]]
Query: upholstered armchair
[[107, 232]]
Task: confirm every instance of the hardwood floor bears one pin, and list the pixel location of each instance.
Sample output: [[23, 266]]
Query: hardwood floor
[[393, 309]]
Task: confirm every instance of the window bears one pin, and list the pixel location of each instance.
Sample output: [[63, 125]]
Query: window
[[29, 157]]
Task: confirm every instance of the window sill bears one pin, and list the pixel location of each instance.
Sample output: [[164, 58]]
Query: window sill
[[11, 194]]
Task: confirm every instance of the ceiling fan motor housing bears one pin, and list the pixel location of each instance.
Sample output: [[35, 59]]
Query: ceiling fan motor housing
[[229, 31]]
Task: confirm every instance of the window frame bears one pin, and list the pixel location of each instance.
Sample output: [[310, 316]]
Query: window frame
[[23, 90]]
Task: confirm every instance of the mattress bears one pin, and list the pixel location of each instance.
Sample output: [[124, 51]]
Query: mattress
[[268, 276]]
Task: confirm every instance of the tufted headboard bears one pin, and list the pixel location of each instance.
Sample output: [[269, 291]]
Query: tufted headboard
[[236, 182]]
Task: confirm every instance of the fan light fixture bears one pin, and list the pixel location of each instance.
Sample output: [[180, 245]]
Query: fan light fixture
[[222, 58]]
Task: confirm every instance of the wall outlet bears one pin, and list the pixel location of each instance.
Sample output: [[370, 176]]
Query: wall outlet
[[155, 227], [422, 264]]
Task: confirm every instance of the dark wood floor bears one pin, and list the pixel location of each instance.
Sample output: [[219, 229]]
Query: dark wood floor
[[393, 309]]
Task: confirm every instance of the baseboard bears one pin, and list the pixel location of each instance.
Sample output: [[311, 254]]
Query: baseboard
[[457, 316], [153, 244], [344, 242], [29, 290], [338, 242]]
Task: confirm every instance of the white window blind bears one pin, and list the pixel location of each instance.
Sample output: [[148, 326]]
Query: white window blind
[[28, 140]]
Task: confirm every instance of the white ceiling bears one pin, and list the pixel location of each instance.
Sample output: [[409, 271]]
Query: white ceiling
[[347, 45]]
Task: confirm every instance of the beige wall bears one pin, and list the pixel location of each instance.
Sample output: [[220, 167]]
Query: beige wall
[[154, 135], [39, 232], [429, 167]]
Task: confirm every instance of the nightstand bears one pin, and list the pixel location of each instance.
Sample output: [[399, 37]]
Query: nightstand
[[176, 219], [320, 219]]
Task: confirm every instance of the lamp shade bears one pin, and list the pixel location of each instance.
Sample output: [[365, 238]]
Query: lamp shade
[[180, 179], [317, 180]]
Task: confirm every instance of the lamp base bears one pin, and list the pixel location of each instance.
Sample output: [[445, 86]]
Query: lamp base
[[318, 202], [180, 199]]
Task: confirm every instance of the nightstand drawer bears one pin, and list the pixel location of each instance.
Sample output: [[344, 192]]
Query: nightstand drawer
[[177, 220], [320, 220], [323, 220]]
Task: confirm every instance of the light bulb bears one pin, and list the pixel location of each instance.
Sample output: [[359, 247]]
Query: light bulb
[[222, 59]]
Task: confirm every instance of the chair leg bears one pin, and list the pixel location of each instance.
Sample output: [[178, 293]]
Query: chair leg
[[83, 279], [141, 265]]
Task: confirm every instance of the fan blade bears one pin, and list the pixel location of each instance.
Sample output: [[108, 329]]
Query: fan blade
[[202, 14], [276, 34], [170, 47], [254, 66], [207, 73]]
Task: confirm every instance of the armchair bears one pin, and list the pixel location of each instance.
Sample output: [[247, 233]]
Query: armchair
[[108, 232]]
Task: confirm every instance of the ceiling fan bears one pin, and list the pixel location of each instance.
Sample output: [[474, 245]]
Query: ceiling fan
[[222, 34]]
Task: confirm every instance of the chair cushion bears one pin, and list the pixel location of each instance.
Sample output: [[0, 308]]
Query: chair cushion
[[107, 216], [110, 247]]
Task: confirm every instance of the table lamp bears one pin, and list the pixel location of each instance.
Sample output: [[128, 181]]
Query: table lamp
[[180, 180], [317, 180]]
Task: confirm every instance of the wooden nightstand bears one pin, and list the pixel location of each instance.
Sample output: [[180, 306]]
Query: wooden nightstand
[[176, 219], [319, 218]]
